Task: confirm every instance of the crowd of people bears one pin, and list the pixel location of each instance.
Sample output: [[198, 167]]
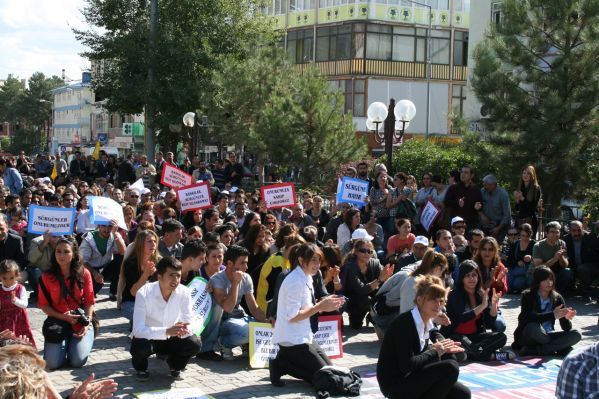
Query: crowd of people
[[431, 292]]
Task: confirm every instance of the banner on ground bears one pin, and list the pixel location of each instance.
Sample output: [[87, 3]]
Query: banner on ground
[[175, 177], [278, 195], [352, 191], [328, 337], [430, 212], [103, 209], [201, 304], [196, 196], [58, 221]]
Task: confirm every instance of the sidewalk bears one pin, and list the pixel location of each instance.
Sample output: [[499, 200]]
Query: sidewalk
[[235, 379]]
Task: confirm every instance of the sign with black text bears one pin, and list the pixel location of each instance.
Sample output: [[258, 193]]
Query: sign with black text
[[201, 304], [352, 191], [430, 212], [58, 221], [175, 177], [278, 195], [194, 197], [103, 209]]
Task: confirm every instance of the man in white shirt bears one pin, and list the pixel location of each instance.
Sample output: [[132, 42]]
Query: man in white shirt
[[230, 285], [161, 320]]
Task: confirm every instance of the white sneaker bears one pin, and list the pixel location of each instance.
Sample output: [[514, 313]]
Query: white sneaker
[[227, 353]]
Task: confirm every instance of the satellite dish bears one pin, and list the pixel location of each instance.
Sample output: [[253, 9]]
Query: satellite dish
[[189, 119]]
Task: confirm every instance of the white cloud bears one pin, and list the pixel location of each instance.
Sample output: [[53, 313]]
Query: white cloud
[[35, 35]]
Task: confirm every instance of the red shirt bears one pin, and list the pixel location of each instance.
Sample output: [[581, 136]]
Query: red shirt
[[468, 327], [396, 245], [62, 304]]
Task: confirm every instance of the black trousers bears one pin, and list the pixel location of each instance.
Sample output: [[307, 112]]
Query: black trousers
[[178, 351], [111, 273], [438, 380], [480, 347], [534, 336], [302, 361], [357, 307]]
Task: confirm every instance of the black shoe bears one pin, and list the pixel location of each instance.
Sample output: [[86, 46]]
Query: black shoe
[[112, 297], [528, 351], [142, 376], [564, 352], [210, 356], [176, 374], [275, 373]]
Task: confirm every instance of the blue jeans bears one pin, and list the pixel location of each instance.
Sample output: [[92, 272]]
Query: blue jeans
[[127, 309], [211, 331], [517, 279], [499, 324], [234, 332], [73, 351]]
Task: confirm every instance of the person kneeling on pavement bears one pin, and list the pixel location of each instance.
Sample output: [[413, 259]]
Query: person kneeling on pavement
[[161, 322], [229, 286]]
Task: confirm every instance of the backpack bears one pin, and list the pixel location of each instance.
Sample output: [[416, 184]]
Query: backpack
[[336, 381]]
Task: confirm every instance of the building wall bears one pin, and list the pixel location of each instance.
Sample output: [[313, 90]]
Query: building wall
[[72, 113]]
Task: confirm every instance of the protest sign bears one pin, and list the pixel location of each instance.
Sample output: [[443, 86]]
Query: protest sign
[[58, 221], [430, 212], [201, 304], [278, 195], [139, 185], [175, 177], [352, 191], [196, 196], [328, 337], [103, 209]]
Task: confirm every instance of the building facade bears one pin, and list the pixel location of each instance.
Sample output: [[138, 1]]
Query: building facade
[[374, 50]]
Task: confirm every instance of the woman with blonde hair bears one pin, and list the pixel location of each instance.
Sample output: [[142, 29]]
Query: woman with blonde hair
[[138, 267], [528, 198]]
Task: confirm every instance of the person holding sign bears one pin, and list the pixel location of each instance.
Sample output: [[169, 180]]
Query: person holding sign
[[409, 365], [297, 309], [161, 322]]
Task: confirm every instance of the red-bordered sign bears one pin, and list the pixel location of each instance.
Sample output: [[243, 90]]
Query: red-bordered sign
[[196, 196], [175, 177], [278, 195]]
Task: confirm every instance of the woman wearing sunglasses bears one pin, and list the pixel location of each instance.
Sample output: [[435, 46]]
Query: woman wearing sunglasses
[[363, 275]]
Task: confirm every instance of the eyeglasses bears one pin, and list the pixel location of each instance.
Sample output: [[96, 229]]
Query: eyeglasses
[[365, 251], [134, 196]]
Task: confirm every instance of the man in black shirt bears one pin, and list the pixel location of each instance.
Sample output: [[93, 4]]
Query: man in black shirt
[[234, 171]]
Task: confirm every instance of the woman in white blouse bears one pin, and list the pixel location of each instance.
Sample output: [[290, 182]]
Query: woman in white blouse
[[296, 313]]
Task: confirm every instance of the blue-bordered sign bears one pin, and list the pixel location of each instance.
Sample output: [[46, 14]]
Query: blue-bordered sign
[[352, 191], [58, 221]]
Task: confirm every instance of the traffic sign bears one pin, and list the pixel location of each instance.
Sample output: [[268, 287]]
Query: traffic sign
[[103, 138]]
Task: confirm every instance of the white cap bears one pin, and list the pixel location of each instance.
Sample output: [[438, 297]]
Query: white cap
[[224, 192], [422, 240], [145, 191], [456, 219], [361, 234]]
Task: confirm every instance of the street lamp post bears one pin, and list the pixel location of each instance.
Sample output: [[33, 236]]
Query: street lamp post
[[428, 62], [396, 120]]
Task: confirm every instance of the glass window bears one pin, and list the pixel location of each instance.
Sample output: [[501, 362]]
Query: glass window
[[460, 49], [378, 46], [343, 47], [420, 50], [358, 45], [403, 48], [440, 51], [300, 45]]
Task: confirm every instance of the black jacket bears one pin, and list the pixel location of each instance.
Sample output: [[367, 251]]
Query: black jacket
[[589, 250], [458, 313], [400, 352], [530, 312], [12, 248]]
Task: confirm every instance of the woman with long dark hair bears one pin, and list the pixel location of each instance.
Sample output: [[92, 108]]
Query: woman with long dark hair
[[255, 243], [540, 307], [415, 360], [519, 260], [528, 198], [298, 356], [378, 199], [67, 295], [470, 315], [351, 221]]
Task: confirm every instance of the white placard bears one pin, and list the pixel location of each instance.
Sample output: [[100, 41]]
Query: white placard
[[194, 197], [103, 209], [58, 221], [201, 304], [328, 336], [175, 177], [278, 195], [429, 214]]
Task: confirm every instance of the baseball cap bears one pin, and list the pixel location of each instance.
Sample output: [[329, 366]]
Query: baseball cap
[[224, 192], [422, 240], [361, 234], [456, 219]]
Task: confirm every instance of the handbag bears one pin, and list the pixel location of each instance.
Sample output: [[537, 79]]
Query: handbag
[[54, 330]]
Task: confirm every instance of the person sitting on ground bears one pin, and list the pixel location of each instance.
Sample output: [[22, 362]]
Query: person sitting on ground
[[193, 256], [415, 360], [519, 261], [102, 253], [553, 253], [351, 221], [470, 315], [540, 307], [362, 275], [418, 249], [298, 356], [170, 243], [434, 264], [579, 375], [230, 286], [401, 243], [161, 322]]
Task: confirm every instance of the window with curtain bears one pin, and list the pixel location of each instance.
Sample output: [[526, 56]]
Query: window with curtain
[[440, 46], [300, 45], [460, 48]]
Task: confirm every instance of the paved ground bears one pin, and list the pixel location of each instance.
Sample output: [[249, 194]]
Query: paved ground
[[235, 379]]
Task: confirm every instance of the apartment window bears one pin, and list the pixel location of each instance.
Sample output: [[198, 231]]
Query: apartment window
[[354, 92], [460, 48], [300, 45], [378, 42], [301, 5], [440, 40], [280, 7], [403, 44], [332, 3], [458, 98], [338, 42], [496, 16]]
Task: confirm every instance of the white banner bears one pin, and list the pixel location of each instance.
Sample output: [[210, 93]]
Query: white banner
[[201, 304], [58, 221], [429, 214], [103, 209], [278, 195], [139, 184], [175, 177], [194, 197]]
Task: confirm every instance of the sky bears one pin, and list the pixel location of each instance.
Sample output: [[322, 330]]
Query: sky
[[36, 36]]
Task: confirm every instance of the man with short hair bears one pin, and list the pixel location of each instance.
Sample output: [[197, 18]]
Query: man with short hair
[[553, 253], [224, 211], [218, 173], [146, 171], [210, 220], [583, 255], [494, 211], [461, 198], [229, 287], [203, 174], [133, 197], [299, 218], [77, 166], [161, 322], [476, 235], [102, 252], [40, 253], [159, 163], [170, 242], [240, 213], [418, 249], [234, 171], [458, 226], [335, 222]]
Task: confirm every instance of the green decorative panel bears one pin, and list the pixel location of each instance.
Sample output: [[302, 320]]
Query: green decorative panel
[[302, 18]]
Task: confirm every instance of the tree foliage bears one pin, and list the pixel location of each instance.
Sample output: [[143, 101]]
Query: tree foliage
[[290, 118], [537, 74], [193, 40]]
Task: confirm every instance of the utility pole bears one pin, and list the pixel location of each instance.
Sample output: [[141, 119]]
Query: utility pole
[[150, 142]]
